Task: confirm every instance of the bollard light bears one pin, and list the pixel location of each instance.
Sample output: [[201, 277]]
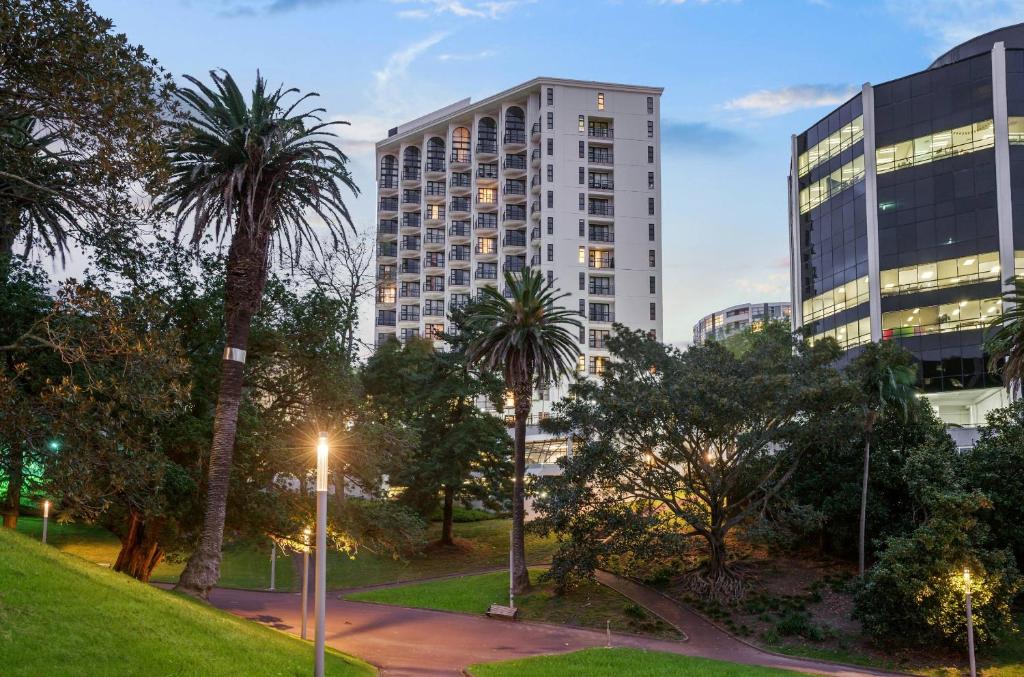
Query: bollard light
[[970, 622], [46, 518], [305, 579]]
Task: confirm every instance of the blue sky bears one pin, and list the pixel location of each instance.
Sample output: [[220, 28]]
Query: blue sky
[[739, 76]]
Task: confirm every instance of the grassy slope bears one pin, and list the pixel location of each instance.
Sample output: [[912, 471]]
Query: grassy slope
[[247, 565], [60, 614], [591, 605], [620, 663]]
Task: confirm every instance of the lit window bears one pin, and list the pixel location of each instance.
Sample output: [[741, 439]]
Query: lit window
[[600, 101], [941, 274], [487, 195], [935, 146], [582, 124], [583, 254], [831, 185], [836, 143]]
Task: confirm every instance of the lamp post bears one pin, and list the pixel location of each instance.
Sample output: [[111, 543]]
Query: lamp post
[[305, 580], [970, 622], [321, 550], [273, 566], [46, 518]]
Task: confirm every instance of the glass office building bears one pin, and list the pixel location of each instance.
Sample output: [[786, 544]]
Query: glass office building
[[907, 216]]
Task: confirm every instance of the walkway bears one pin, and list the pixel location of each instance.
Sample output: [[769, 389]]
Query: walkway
[[420, 643]]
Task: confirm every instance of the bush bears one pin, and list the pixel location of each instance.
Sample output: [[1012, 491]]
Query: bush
[[463, 514]]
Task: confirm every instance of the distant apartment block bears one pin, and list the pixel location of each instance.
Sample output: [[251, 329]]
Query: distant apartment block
[[734, 319]]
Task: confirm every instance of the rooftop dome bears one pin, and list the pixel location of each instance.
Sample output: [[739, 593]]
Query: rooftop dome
[[1013, 36]]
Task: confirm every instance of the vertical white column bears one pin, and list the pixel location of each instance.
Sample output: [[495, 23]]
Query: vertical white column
[[795, 240], [1001, 129], [867, 99]]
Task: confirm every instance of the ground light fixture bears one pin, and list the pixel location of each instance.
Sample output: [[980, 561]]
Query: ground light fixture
[[46, 518], [970, 621], [305, 579], [320, 601]]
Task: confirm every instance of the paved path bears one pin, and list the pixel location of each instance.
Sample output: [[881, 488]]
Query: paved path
[[420, 643]]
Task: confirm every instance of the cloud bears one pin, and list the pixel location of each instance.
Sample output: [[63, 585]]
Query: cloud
[[475, 9], [700, 137], [950, 22], [398, 63], [772, 102], [362, 133], [482, 54]]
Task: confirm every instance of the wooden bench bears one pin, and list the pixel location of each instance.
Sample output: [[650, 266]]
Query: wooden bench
[[501, 611]]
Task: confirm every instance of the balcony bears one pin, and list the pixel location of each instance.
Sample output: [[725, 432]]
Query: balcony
[[487, 200], [535, 260], [387, 251], [459, 229], [486, 250], [487, 172], [411, 221], [434, 237], [386, 296], [514, 189], [410, 245], [601, 315], [410, 268], [601, 132], [435, 166], [388, 204], [460, 156], [435, 190], [535, 184], [458, 254], [535, 207], [386, 273], [459, 205], [534, 233], [486, 273], [601, 236], [461, 182], [406, 316], [386, 320], [601, 184], [435, 287], [388, 227], [410, 173], [602, 263], [514, 213], [388, 182], [434, 262], [535, 131], [515, 137], [601, 158], [514, 239], [409, 293], [599, 342], [434, 214], [459, 280], [411, 197], [487, 222], [535, 157], [601, 289], [488, 147], [600, 209], [433, 311], [513, 266]]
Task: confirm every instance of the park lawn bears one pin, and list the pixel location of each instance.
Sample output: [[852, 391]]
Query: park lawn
[[621, 663], [61, 614], [591, 605]]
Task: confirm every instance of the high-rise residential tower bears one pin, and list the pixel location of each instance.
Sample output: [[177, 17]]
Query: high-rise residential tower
[[907, 216], [728, 321], [560, 175]]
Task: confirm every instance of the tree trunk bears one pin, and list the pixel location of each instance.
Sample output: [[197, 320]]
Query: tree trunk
[[246, 276], [520, 576], [140, 549], [863, 507], [716, 554], [339, 488], [448, 516], [15, 478]]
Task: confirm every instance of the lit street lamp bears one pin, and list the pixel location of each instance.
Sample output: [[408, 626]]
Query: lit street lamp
[[970, 623], [305, 580], [46, 518], [321, 551]]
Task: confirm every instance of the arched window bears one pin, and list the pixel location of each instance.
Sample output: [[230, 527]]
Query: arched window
[[515, 125], [435, 154], [487, 136], [389, 172], [460, 145], [411, 164]]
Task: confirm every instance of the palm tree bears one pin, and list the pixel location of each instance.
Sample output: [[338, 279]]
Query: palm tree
[[1006, 345], [527, 338], [255, 172], [886, 384]]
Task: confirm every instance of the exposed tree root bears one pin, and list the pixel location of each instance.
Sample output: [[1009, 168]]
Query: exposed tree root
[[727, 586]]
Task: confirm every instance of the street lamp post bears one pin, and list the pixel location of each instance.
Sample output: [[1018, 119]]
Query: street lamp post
[[321, 550], [305, 581], [970, 622], [273, 566], [46, 518]]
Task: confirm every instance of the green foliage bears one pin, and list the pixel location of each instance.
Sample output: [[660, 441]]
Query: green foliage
[[1005, 338]]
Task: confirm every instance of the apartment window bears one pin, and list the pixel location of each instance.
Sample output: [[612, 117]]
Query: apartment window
[[650, 206], [551, 252], [583, 281], [581, 363], [582, 227], [600, 101], [551, 225], [582, 150], [653, 285], [409, 333], [654, 311], [598, 337], [551, 199], [583, 335], [650, 105], [583, 307], [651, 261], [551, 120], [650, 232], [583, 124], [650, 180], [582, 173], [551, 96], [583, 201], [551, 173], [551, 147], [650, 154], [583, 254], [433, 331], [551, 277], [650, 128]]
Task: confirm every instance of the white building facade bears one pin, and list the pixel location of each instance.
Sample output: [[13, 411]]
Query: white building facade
[[560, 175], [728, 321]]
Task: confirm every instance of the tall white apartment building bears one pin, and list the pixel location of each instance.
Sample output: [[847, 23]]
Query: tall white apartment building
[[560, 175]]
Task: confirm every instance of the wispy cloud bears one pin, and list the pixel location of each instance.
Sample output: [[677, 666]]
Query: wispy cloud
[[473, 56], [698, 137], [950, 22], [398, 63], [476, 9], [771, 102]]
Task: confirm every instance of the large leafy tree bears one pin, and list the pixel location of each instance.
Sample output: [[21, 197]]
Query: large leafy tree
[[80, 123], [674, 446], [256, 172], [529, 339], [883, 375], [1005, 342]]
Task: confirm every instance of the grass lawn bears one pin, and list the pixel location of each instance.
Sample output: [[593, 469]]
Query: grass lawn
[[591, 605], [620, 663], [62, 615]]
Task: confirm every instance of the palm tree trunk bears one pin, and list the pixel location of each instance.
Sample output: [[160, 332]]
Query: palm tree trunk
[[520, 576], [246, 276], [863, 507], [448, 515]]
